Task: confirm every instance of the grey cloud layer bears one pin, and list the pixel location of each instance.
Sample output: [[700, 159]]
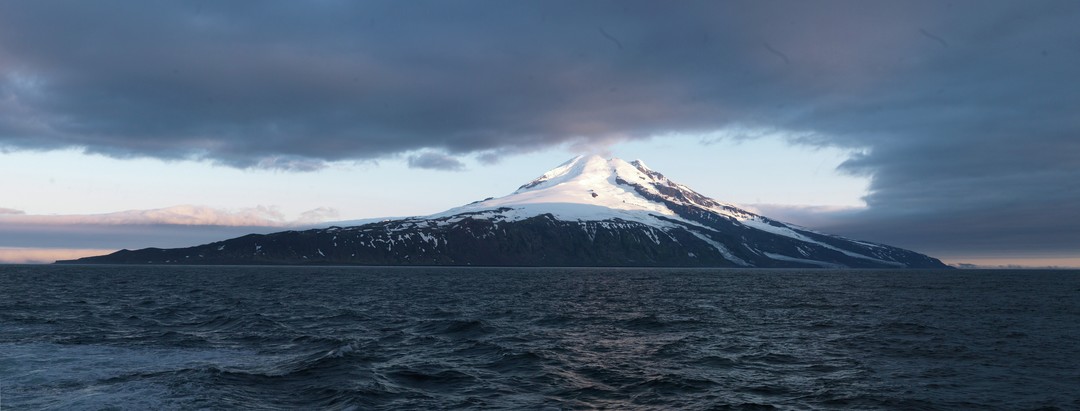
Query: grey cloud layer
[[435, 161], [968, 113]]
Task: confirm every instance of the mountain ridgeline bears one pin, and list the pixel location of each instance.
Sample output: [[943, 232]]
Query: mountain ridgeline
[[588, 211]]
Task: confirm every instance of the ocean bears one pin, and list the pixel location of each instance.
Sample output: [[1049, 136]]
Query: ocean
[[341, 338]]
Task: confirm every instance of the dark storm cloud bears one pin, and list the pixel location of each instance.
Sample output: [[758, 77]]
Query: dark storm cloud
[[435, 161], [966, 112]]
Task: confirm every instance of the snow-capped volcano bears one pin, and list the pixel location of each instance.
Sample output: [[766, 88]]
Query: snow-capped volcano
[[589, 211], [591, 188], [584, 188]]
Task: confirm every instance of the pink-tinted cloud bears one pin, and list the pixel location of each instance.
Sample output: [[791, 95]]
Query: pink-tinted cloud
[[1012, 263], [260, 216], [29, 238], [46, 255]]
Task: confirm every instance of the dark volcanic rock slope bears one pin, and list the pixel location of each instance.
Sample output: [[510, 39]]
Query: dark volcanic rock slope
[[587, 212]]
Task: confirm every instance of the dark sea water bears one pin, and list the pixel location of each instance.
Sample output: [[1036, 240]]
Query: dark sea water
[[139, 338]]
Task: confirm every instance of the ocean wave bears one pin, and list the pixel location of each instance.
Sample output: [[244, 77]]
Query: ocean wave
[[424, 338]]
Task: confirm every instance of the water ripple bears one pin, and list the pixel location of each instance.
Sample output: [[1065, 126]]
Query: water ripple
[[284, 338]]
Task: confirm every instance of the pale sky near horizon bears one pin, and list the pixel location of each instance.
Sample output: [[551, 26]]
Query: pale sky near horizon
[[43, 187], [948, 128], [766, 170]]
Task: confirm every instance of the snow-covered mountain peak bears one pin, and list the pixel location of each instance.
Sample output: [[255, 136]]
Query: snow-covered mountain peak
[[597, 188], [584, 188], [577, 168]]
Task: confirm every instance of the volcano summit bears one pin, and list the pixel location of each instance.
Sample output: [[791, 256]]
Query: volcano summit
[[589, 211]]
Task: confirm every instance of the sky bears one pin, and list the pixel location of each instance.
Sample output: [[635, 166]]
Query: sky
[[949, 128]]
